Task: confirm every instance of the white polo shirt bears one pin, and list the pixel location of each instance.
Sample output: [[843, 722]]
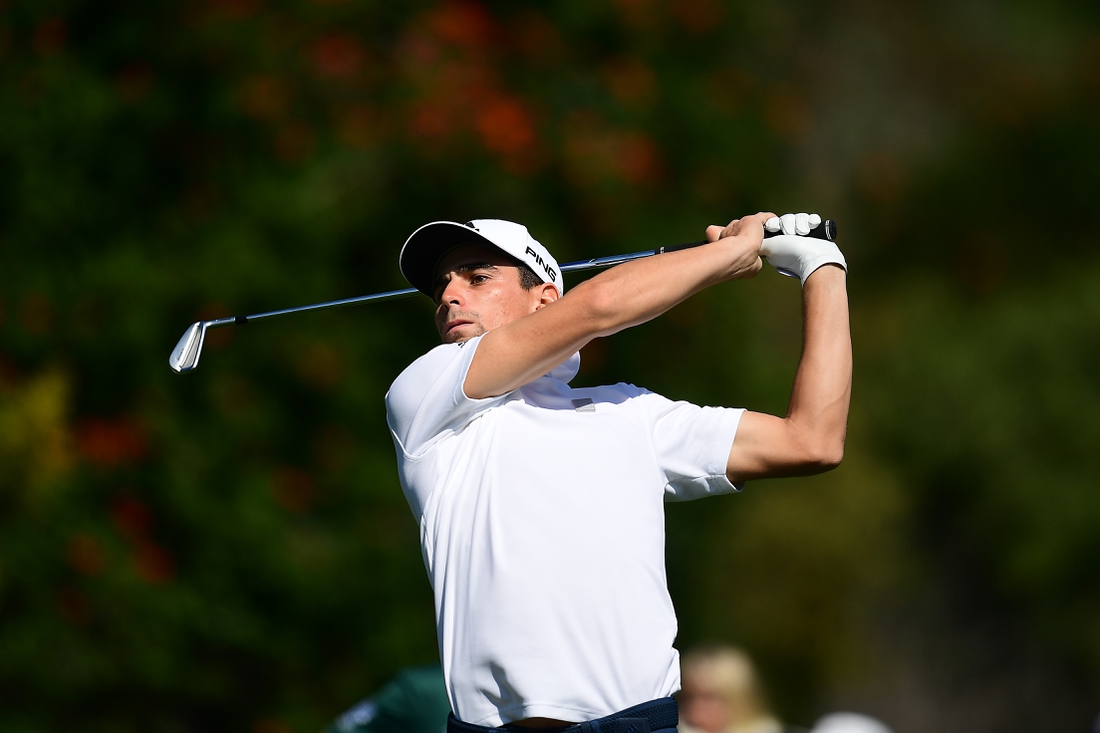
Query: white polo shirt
[[542, 527]]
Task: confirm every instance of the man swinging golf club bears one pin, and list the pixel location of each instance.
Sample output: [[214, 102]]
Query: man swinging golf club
[[540, 505]]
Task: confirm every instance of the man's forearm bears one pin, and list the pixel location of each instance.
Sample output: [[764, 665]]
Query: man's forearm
[[641, 290], [810, 439], [624, 296], [823, 383]]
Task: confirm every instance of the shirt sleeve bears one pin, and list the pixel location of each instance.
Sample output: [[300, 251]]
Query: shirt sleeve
[[692, 445], [427, 401]]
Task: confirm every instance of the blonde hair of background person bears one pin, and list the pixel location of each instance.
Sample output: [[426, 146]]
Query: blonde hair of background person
[[722, 693]]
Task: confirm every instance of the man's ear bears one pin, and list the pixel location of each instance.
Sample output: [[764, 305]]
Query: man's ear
[[547, 294]]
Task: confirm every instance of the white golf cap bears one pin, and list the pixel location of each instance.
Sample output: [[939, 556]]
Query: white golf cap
[[427, 244]]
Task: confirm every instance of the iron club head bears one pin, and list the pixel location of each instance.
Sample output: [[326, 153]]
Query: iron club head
[[185, 356]]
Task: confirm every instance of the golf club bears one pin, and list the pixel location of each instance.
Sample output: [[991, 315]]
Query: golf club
[[185, 356]]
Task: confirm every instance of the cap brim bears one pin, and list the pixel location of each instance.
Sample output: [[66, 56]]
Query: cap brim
[[426, 245]]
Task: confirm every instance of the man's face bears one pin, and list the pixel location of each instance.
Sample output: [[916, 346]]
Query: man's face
[[477, 289]]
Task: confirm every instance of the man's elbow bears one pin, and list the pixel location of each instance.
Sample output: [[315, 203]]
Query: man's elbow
[[817, 451], [825, 455], [830, 459]]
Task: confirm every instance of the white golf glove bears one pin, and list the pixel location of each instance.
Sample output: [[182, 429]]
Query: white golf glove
[[794, 254]]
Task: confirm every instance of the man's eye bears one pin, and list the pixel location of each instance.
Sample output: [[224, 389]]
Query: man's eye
[[479, 279]]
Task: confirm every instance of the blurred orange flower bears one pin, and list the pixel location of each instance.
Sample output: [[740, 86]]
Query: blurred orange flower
[[463, 23], [638, 158], [111, 443], [338, 56], [505, 126]]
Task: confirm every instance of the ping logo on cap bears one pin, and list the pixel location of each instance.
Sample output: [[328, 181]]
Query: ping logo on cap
[[549, 270]]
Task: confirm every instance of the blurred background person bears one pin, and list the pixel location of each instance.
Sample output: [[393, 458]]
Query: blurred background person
[[413, 701], [849, 723], [722, 693]]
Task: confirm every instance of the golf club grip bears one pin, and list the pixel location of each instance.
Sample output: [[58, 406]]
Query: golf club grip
[[826, 230]]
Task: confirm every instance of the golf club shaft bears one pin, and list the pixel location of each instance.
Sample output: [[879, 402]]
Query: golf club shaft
[[185, 356]]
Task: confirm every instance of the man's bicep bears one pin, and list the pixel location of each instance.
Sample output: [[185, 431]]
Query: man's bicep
[[766, 446]]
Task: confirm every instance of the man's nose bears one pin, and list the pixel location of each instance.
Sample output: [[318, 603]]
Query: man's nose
[[452, 292]]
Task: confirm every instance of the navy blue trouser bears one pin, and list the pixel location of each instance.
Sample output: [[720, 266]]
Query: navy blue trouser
[[655, 716]]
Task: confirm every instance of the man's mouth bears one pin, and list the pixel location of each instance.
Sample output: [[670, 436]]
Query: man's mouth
[[455, 324]]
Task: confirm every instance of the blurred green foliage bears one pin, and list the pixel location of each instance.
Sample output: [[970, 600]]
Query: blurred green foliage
[[230, 550]]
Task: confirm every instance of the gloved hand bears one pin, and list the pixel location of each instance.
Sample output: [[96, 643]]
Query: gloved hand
[[794, 254]]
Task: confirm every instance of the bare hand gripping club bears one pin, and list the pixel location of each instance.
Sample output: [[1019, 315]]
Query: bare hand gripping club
[[185, 356]]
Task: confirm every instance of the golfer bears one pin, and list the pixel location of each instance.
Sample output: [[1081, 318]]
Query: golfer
[[540, 505]]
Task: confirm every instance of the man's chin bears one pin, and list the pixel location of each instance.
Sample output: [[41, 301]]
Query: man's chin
[[462, 333]]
